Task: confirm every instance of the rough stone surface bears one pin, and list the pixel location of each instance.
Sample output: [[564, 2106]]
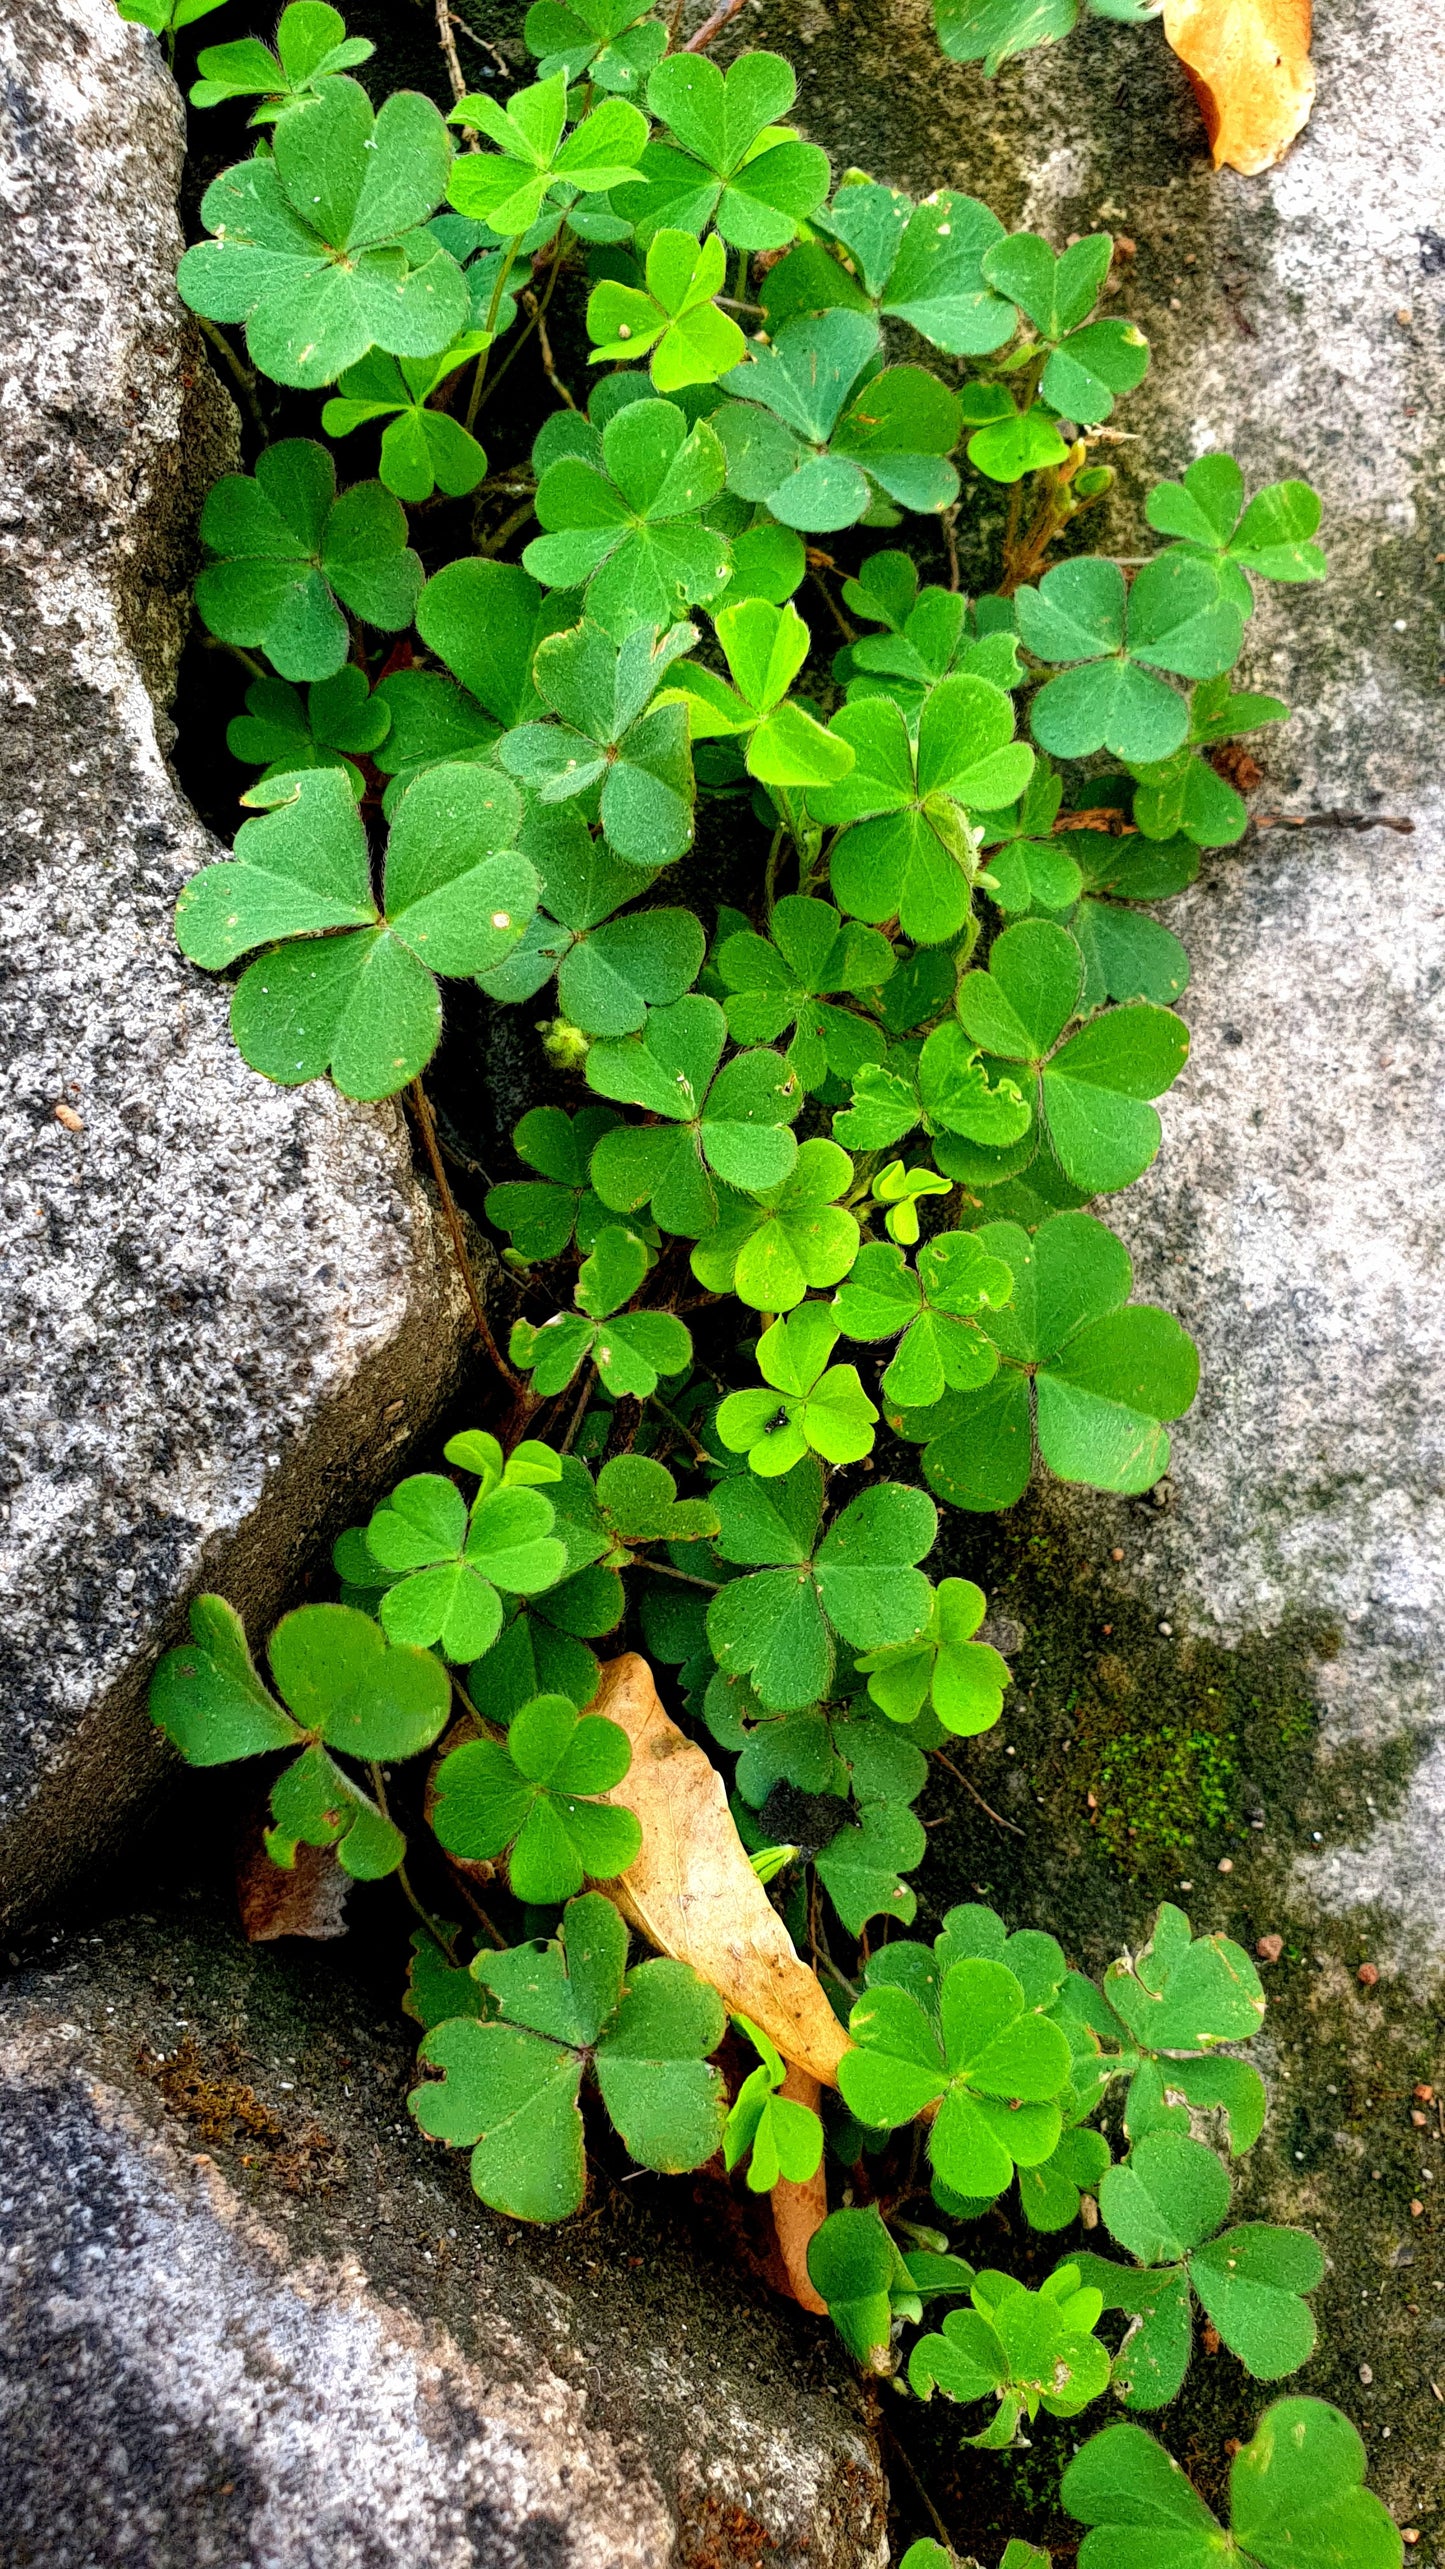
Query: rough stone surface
[[1294, 1217], [219, 1298], [253, 2319]]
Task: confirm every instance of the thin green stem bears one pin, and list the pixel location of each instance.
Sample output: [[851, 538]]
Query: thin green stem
[[241, 376], [213, 642], [434, 1926], [508, 528], [684, 1431], [689, 1577], [421, 1107], [770, 878], [493, 308]]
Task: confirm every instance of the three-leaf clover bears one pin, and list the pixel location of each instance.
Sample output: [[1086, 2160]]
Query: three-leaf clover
[[765, 647], [289, 555], [311, 44], [810, 1405], [506, 189], [674, 322], [364, 1004], [903, 848], [809, 957], [422, 450], [542, 1215], [338, 721], [861, 2273], [531, 1797], [859, 1582], [447, 1562], [930, 636], [624, 518], [1026, 2350], [815, 430], [1272, 536], [1182, 1993], [936, 1307], [1297, 2499], [992, 2065], [320, 245], [614, 42], [790, 1236], [727, 161], [610, 971], [729, 1124], [961, 1678], [1094, 1090], [784, 2137], [1105, 1374], [485, 621], [1089, 361], [609, 733], [1165, 2204], [916, 263], [1174, 617], [509, 2089], [942, 1085], [165, 17], [991, 32], [630, 1349], [342, 1687]]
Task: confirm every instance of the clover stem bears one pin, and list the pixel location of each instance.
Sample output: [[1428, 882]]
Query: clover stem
[[507, 528], [688, 1576], [713, 26], [493, 308], [949, 522], [421, 1108], [770, 879], [536, 323], [213, 642], [241, 376], [579, 1412], [959, 1777], [684, 1431], [443, 1936], [940, 2528]]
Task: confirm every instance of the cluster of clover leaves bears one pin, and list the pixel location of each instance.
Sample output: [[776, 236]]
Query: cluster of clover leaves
[[875, 1108]]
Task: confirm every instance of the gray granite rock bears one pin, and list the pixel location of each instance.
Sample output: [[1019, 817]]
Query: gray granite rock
[[252, 2319], [218, 1300], [1294, 1217]]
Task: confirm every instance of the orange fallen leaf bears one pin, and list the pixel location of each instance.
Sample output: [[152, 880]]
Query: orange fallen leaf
[[692, 1891], [1249, 62], [801, 2208]]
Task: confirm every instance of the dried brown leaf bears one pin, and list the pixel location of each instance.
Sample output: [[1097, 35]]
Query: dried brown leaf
[[799, 2210], [307, 1898], [692, 1891], [1249, 63]]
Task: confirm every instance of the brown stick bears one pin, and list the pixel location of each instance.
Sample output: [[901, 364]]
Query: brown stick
[[959, 1777], [421, 1107], [712, 26], [449, 48]]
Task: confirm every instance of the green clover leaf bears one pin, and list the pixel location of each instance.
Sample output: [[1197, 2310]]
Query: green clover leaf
[[311, 45], [509, 2089], [282, 733], [962, 1678], [931, 635], [422, 450], [1272, 536], [916, 263], [861, 1869], [609, 970], [814, 430], [1174, 617], [944, 1086], [542, 1217], [1296, 2496], [834, 1749], [785, 2139], [1049, 2195], [614, 43], [994, 2068], [320, 245], [1008, 442], [606, 735], [992, 32], [862, 2276], [904, 849], [943, 1347], [630, 1349], [484, 620], [1184, 1993], [728, 161], [448, 1562], [165, 17], [437, 1988], [811, 1405], [1089, 361], [859, 1582], [729, 1124], [1094, 1089], [289, 555], [363, 1005], [624, 519], [1027, 2350], [765, 646], [506, 189], [793, 1235], [532, 1799], [809, 957], [675, 323], [1105, 1377]]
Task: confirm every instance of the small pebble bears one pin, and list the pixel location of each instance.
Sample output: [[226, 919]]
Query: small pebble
[[1175, 304], [1416, 2207], [1404, 316], [1166, 1628], [1226, 1864], [1409, 2533], [1425, 2095], [1124, 248], [1118, 1552], [1186, 1886], [67, 1116], [1367, 1975], [1419, 2120], [1366, 2375], [1269, 1948]]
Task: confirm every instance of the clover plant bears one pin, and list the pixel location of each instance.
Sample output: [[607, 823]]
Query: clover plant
[[858, 1010]]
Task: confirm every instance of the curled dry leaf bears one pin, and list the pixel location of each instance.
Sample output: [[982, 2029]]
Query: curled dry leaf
[[799, 2210], [1249, 62], [692, 1891], [307, 1898]]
